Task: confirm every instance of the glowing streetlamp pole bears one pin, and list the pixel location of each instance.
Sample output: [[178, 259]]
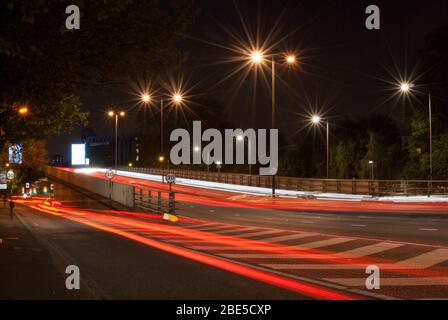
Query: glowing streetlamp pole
[[316, 120], [177, 99], [116, 114], [406, 88], [257, 58]]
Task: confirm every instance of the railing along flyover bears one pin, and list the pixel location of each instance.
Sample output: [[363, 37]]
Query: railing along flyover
[[151, 200], [348, 186]]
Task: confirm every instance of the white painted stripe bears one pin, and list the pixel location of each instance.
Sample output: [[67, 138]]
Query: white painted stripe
[[399, 282], [425, 260], [428, 229], [422, 261], [258, 233], [322, 243], [201, 225], [367, 250], [221, 227], [288, 237], [237, 230]]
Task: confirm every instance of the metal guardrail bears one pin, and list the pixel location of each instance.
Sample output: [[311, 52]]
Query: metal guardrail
[[348, 186], [151, 200]]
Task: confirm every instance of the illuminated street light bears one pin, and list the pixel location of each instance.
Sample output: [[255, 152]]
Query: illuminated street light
[[315, 120], [256, 57], [111, 114], [177, 98], [130, 164], [23, 111], [290, 59], [161, 158], [146, 97], [406, 88]]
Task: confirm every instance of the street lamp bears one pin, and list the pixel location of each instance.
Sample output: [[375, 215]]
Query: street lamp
[[405, 88], [257, 57], [240, 138], [23, 111], [316, 120], [115, 114], [372, 176], [176, 98]]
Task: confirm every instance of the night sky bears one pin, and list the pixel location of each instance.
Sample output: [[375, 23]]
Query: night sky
[[343, 66]]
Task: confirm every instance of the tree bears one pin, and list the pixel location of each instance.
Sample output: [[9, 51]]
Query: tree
[[45, 66]]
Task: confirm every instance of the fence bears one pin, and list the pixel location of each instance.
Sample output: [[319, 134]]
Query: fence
[[349, 186], [154, 200]]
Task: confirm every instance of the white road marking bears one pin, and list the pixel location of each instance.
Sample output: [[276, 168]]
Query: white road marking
[[422, 261], [288, 237], [359, 225], [322, 243], [367, 250], [426, 260], [399, 282], [237, 230], [202, 225], [221, 227], [428, 229], [258, 233]]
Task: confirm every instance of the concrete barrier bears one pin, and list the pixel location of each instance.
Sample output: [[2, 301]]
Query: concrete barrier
[[120, 193]]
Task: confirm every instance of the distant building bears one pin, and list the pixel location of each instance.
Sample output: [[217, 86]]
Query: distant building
[[101, 153]]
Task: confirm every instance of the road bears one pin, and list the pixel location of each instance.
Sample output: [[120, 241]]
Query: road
[[227, 252]]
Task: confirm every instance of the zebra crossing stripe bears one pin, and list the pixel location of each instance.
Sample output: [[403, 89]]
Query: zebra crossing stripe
[[425, 260], [288, 237], [367, 250], [258, 233], [398, 282], [237, 230]]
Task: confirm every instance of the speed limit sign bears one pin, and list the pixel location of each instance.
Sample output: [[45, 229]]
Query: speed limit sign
[[10, 175], [110, 174], [170, 178]]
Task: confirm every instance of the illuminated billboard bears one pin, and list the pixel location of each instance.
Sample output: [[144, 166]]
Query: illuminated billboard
[[78, 154], [15, 154]]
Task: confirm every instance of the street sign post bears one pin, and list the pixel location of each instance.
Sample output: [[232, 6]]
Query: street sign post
[[3, 180], [110, 175], [170, 178]]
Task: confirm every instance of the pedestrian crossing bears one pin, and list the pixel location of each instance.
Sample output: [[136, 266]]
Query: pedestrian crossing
[[298, 253]]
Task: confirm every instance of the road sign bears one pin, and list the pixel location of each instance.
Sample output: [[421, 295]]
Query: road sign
[[27, 185], [3, 186], [170, 178], [110, 174], [52, 187], [10, 175]]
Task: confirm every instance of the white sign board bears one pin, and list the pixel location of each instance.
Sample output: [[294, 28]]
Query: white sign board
[[78, 154], [3, 186]]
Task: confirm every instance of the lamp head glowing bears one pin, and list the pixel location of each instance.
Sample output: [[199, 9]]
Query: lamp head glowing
[[290, 59], [161, 158], [177, 98], [146, 98], [405, 87], [111, 113], [122, 113], [256, 57], [316, 119]]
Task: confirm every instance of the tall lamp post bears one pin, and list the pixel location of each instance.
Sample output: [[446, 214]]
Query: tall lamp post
[[116, 115], [406, 88], [176, 98], [316, 120], [257, 57]]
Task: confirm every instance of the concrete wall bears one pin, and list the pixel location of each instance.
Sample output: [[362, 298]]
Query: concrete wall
[[121, 193]]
